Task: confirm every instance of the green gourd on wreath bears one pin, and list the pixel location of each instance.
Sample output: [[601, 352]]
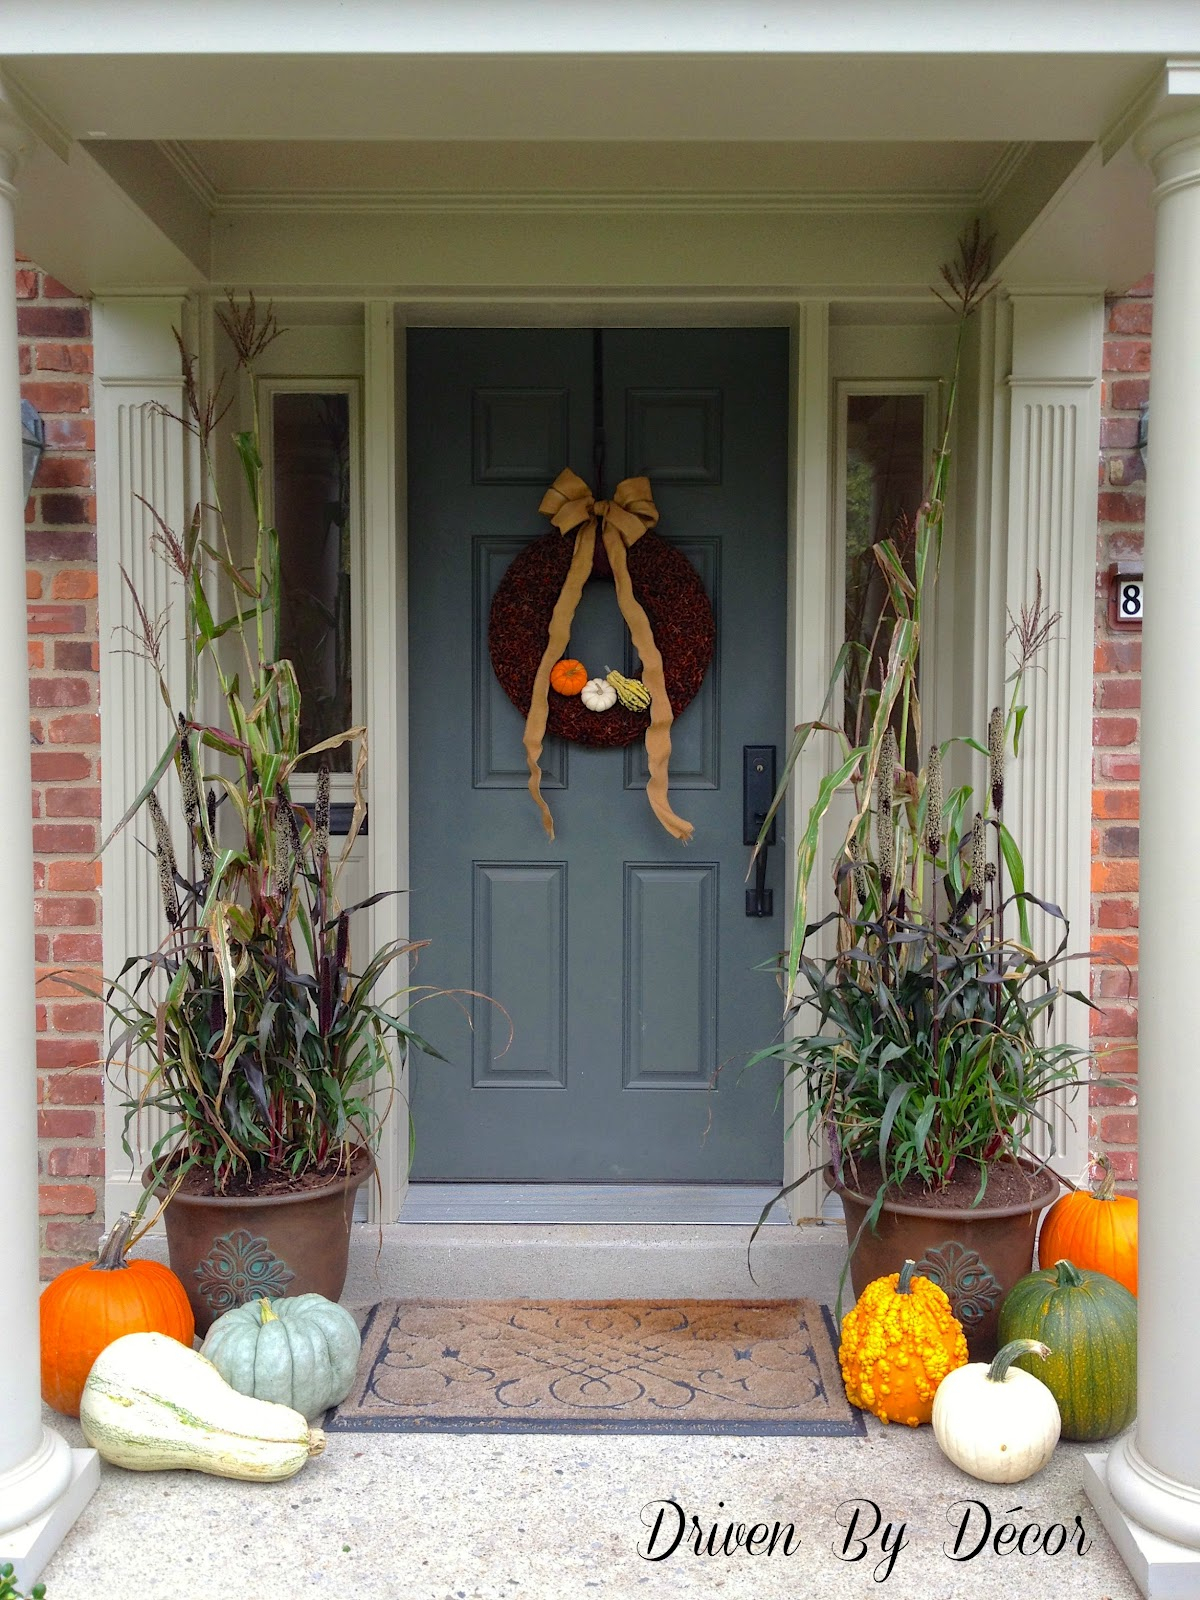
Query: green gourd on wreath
[[1089, 1321], [299, 1351]]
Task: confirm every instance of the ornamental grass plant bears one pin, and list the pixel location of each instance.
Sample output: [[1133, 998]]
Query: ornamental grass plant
[[267, 1049], [917, 1010]]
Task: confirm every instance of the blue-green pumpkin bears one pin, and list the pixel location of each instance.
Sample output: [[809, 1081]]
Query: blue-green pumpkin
[[1089, 1322], [299, 1351]]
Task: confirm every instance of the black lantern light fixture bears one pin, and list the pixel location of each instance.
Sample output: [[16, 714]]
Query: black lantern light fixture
[[33, 443]]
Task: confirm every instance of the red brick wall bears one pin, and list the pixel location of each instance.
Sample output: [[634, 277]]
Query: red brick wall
[[54, 329], [1112, 1124]]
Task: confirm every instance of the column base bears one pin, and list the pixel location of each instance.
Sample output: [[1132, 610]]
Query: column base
[[1162, 1569], [30, 1546]]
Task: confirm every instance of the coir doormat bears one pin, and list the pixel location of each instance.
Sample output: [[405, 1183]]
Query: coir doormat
[[598, 1366]]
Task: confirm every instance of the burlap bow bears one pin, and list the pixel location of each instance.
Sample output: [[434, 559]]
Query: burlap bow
[[623, 520]]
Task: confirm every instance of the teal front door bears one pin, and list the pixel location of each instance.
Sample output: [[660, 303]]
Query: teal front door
[[625, 961]]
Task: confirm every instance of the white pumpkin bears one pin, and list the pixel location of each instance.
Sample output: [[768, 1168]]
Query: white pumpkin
[[597, 695], [152, 1403], [995, 1421]]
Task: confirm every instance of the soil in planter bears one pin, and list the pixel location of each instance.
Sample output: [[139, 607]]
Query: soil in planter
[[1007, 1185], [259, 1185]]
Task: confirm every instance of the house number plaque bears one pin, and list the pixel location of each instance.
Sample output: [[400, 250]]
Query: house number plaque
[[1126, 604]]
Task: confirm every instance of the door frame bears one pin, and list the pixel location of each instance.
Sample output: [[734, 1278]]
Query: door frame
[[810, 606], [813, 609]]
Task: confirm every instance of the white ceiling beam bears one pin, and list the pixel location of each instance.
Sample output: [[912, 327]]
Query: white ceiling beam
[[574, 97], [598, 27], [74, 220], [625, 252]]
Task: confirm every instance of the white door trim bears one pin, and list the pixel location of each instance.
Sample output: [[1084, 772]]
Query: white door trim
[[384, 608], [809, 611]]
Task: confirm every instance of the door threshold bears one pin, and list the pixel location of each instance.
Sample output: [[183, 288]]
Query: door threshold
[[716, 1204]]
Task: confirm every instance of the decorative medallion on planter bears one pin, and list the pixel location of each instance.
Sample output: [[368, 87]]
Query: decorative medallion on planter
[[969, 1282], [241, 1267], [227, 1249], [662, 599], [991, 1248]]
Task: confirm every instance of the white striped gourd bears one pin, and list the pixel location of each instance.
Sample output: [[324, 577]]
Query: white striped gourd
[[151, 1404]]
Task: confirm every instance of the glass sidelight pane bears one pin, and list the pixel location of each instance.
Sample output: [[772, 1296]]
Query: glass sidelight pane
[[311, 449], [883, 489]]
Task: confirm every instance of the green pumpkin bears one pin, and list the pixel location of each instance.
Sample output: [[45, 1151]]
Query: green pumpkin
[[300, 1352], [1089, 1322]]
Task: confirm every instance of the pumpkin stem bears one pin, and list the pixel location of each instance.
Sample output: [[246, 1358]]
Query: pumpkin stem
[[265, 1314], [111, 1253], [1107, 1189], [1069, 1275], [904, 1286], [1005, 1357]]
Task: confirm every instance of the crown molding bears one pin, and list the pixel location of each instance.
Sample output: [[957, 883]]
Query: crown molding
[[1003, 172], [1080, 382], [530, 201], [166, 293], [1057, 291], [192, 173], [34, 115], [778, 202]]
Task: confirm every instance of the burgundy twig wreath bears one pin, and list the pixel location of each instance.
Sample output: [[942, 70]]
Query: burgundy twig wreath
[[670, 592], [662, 599]]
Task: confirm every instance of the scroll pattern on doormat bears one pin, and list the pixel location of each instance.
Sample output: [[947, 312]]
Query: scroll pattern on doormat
[[599, 1366]]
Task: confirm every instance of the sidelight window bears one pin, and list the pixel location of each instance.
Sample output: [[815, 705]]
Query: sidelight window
[[315, 508], [884, 436]]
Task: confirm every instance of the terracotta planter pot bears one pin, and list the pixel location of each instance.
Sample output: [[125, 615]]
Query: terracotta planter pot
[[228, 1250], [975, 1253]]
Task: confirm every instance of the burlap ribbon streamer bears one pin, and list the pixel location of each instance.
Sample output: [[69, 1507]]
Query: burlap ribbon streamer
[[623, 520]]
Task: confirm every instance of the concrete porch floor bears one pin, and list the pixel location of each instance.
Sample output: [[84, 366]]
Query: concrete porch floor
[[500, 1517]]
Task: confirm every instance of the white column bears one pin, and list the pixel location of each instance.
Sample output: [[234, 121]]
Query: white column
[[1152, 1479], [43, 1483]]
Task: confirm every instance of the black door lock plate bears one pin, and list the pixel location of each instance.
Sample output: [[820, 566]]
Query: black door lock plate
[[758, 790]]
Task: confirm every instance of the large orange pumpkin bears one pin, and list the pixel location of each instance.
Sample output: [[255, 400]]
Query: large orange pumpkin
[[1096, 1230], [568, 676], [89, 1306]]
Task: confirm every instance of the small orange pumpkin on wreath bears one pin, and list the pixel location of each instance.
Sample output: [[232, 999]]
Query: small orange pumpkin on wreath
[[568, 676]]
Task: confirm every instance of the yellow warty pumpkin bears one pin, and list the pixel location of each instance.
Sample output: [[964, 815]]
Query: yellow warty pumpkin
[[898, 1344]]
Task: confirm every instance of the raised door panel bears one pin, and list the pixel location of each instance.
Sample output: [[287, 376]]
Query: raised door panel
[[670, 980], [519, 951]]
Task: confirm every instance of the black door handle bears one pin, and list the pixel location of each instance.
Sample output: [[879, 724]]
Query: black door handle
[[758, 790]]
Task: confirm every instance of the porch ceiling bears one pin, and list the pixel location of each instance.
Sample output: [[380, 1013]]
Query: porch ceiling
[[188, 168]]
